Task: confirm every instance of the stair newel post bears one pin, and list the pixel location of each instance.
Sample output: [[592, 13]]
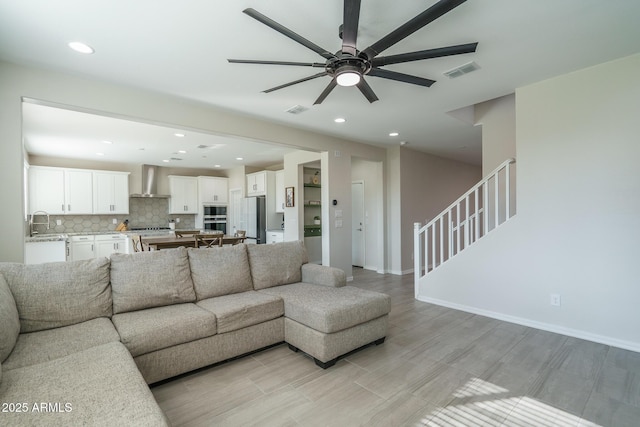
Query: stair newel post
[[417, 256]]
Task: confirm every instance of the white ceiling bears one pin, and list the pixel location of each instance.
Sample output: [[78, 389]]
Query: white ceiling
[[180, 48]]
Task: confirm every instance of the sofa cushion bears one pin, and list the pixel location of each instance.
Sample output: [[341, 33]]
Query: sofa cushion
[[276, 264], [100, 386], [220, 271], [237, 311], [58, 294], [328, 309], [42, 346], [150, 279], [161, 327], [9, 320]]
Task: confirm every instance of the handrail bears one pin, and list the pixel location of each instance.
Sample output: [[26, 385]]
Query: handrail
[[484, 207], [468, 193]]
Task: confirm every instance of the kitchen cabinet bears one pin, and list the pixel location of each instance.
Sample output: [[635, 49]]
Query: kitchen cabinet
[[184, 194], [60, 191], [50, 251], [78, 192], [264, 184], [275, 236], [108, 244], [213, 190], [81, 247], [280, 198], [110, 192], [257, 183]]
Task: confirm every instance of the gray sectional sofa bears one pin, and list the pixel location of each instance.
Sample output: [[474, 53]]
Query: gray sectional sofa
[[80, 341]]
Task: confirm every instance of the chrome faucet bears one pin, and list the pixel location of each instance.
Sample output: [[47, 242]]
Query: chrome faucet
[[32, 223]]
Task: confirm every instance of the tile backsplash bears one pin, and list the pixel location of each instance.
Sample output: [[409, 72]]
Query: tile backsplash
[[143, 212]]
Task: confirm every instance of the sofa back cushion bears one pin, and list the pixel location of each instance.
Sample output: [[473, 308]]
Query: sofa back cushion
[[9, 320], [150, 279], [220, 271], [276, 264], [58, 294]]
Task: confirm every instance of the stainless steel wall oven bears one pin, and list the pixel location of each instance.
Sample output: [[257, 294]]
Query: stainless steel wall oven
[[215, 218]]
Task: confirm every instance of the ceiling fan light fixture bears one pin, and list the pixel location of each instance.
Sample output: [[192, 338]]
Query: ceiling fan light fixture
[[348, 76]]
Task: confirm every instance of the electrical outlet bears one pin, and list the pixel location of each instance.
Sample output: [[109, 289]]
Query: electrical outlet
[[555, 300], [115, 221], [58, 222], [177, 219]]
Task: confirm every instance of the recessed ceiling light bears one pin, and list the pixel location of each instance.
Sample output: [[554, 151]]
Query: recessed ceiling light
[[340, 120], [182, 152], [99, 154], [216, 166], [394, 134], [403, 143], [81, 47], [166, 161], [179, 135], [239, 158], [107, 142]]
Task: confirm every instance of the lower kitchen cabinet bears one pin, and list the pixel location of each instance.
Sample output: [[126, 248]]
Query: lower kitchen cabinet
[[81, 247], [39, 252], [276, 236], [110, 244], [89, 247]]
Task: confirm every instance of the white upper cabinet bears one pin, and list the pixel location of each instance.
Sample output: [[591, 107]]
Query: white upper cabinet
[[213, 190], [257, 184], [280, 191], [110, 192], [46, 190], [59, 191], [184, 194], [78, 191]]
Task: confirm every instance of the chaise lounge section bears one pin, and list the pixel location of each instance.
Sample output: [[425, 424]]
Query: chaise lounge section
[[84, 338]]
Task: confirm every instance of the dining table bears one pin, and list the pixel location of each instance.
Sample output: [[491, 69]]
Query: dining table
[[188, 241]]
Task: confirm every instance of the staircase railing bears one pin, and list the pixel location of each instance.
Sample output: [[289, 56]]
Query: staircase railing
[[480, 210]]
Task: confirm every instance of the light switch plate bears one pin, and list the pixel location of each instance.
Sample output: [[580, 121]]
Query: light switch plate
[[338, 223], [338, 213]]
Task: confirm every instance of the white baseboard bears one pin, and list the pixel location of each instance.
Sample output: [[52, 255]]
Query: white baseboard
[[627, 345], [400, 272]]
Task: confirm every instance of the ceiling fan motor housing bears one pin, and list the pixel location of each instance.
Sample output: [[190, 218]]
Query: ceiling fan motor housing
[[347, 63]]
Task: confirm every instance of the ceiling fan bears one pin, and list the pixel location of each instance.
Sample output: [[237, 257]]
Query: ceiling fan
[[348, 66]]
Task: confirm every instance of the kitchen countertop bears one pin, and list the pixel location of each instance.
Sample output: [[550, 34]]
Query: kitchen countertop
[[63, 236]]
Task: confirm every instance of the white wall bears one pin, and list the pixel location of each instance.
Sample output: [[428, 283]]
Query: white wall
[[498, 120], [577, 227]]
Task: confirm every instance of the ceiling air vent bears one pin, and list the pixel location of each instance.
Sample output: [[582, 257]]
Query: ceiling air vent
[[296, 109], [461, 70]]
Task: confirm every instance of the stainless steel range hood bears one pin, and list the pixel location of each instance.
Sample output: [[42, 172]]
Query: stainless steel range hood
[[149, 183]]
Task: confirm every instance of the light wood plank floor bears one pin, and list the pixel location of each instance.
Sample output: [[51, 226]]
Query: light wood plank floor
[[438, 367]]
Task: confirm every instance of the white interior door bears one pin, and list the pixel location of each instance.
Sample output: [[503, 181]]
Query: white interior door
[[357, 224]]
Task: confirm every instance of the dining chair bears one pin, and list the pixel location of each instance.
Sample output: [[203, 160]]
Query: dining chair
[[208, 241], [184, 233], [138, 246]]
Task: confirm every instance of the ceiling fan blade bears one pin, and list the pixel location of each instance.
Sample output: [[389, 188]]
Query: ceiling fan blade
[[324, 73], [411, 26], [332, 84], [367, 91], [252, 61], [424, 54], [350, 26], [406, 78], [287, 32]]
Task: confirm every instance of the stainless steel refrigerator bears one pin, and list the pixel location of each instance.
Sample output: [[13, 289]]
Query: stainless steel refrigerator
[[254, 219]]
